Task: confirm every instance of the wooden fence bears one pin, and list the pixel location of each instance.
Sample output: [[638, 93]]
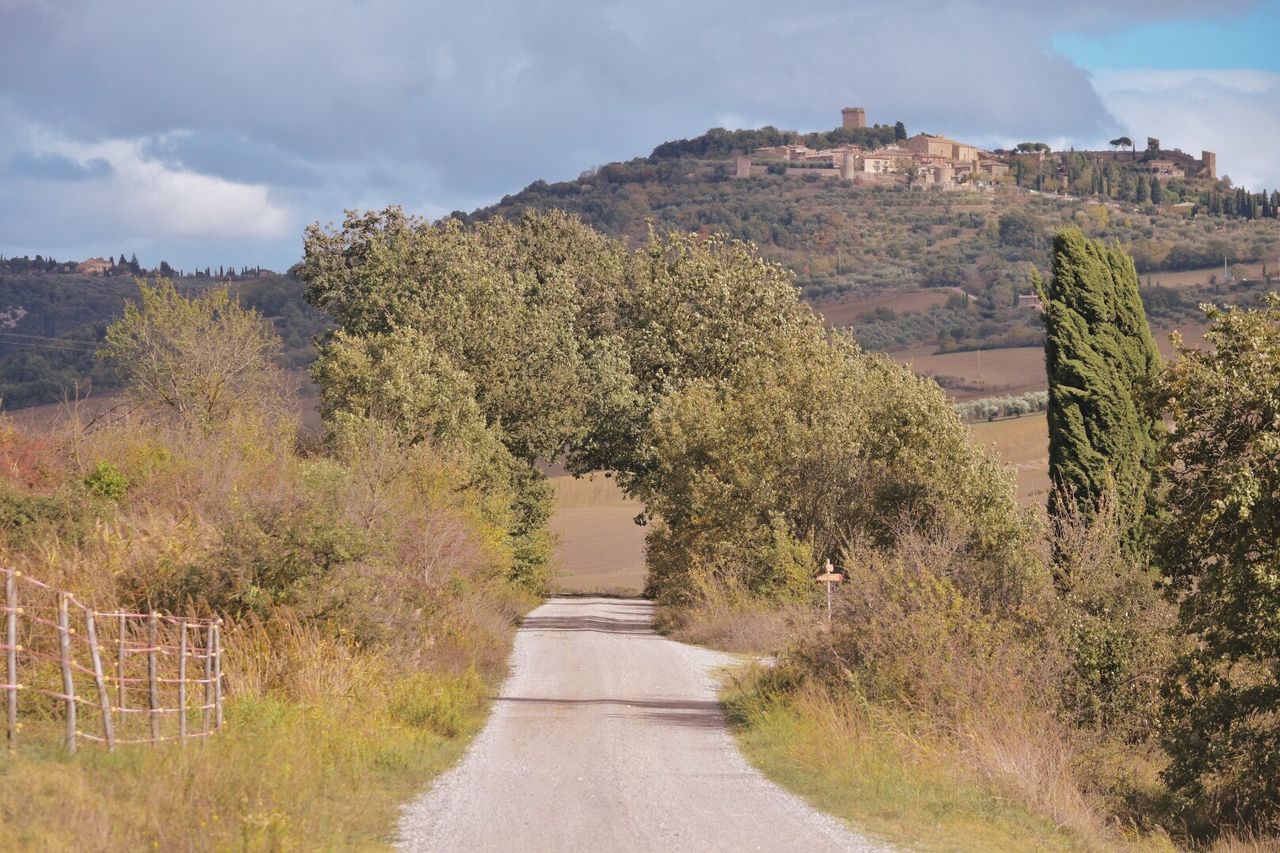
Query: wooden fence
[[106, 677]]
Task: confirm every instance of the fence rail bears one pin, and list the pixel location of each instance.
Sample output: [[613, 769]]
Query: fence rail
[[109, 677]]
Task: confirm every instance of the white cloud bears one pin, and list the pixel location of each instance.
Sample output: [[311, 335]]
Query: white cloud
[[136, 199], [1235, 113]]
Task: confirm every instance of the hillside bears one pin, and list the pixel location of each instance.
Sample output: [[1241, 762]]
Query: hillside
[[931, 276], [51, 321], [909, 267]]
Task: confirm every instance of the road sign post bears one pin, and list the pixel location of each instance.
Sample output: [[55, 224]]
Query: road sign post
[[829, 576]]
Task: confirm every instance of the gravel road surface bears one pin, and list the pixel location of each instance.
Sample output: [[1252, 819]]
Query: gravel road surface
[[607, 737]]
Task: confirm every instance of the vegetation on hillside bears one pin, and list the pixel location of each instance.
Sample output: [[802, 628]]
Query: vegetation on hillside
[[365, 582], [1218, 542], [1099, 356], [974, 633], [58, 318], [1039, 666], [845, 240]]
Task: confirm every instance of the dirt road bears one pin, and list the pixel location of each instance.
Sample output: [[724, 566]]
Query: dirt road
[[607, 737]]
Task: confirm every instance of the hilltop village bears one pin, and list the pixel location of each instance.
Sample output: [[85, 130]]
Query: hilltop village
[[928, 159]]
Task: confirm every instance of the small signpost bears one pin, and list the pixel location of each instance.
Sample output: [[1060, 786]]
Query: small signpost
[[829, 576]]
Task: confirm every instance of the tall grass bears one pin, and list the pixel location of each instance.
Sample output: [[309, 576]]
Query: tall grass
[[892, 777], [368, 615]]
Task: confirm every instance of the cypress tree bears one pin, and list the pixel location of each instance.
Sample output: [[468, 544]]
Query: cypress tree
[[1099, 356]]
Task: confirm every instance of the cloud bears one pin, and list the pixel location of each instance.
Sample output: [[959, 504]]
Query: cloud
[[442, 105], [1235, 113], [54, 167], [110, 192]]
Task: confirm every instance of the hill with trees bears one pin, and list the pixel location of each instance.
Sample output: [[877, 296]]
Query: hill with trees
[[846, 243], [53, 318]]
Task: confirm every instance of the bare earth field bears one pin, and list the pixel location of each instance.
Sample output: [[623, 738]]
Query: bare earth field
[[600, 548], [1000, 371], [845, 310], [1193, 278]]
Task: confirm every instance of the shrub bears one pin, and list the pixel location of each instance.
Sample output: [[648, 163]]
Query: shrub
[[106, 481]]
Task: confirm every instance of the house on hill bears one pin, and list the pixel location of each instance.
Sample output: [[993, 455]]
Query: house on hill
[[95, 266], [940, 147]]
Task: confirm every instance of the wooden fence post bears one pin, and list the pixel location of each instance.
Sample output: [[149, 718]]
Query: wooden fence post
[[182, 681], [217, 675], [120, 666], [152, 674], [208, 679], [11, 653], [68, 684], [104, 697]]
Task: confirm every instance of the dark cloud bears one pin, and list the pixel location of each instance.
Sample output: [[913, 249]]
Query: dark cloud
[[41, 166], [440, 105]]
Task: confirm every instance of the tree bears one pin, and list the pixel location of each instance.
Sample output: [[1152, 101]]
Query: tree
[[1099, 356], [899, 131], [1142, 193], [1121, 142], [200, 359], [1157, 191], [1219, 545]]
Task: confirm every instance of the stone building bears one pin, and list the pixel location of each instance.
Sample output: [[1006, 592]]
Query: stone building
[[941, 148], [853, 118], [95, 266]]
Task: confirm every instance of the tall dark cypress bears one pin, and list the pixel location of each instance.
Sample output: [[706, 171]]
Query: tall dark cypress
[[1099, 355]]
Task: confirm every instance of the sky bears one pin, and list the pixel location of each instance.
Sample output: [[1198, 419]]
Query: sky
[[210, 134]]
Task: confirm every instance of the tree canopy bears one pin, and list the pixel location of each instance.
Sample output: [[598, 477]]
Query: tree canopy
[[1099, 356]]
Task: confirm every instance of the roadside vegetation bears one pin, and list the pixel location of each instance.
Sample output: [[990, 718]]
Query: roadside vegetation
[[1099, 676], [368, 585], [1109, 667]]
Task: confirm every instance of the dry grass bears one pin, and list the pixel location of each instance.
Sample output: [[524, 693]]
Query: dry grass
[[739, 626], [894, 779], [600, 548], [349, 688], [1023, 446]]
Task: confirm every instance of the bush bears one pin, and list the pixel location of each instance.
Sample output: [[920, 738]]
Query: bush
[[106, 481]]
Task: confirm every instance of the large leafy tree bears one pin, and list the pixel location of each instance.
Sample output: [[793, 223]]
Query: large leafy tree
[[201, 359], [1099, 356], [1219, 545]]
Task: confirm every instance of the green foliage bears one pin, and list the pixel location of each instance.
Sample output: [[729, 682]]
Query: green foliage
[[61, 318], [1219, 545], [199, 359], [441, 703], [106, 481], [1099, 356], [493, 341], [721, 143], [832, 447], [1012, 405], [26, 519]]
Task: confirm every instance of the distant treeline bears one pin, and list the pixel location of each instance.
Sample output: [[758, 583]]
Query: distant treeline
[[720, 143], [126, 267], [1007, 406], [51, 325]]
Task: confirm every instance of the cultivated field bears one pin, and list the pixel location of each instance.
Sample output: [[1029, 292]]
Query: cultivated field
[[1198, 277], [600, 547], [998, 371], [845, 310], [1023, 445]]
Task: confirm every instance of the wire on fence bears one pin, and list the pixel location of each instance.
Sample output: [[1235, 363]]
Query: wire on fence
[[64, 657]]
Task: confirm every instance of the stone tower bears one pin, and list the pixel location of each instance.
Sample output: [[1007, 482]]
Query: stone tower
[[854, 118], [1209, 161], [848, 165]]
